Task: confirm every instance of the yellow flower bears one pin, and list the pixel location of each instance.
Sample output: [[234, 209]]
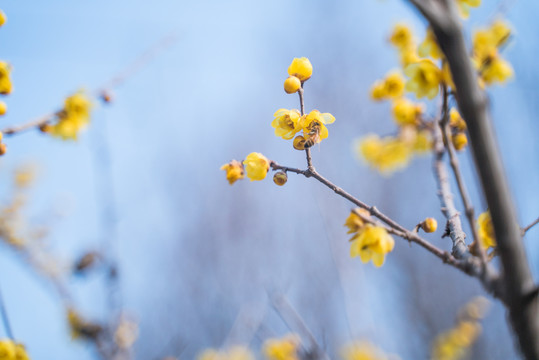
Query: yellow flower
[[405, 112], [292, 85], [394, 84], [402, 37], [485, 230], [210, 354], [422, 142], [354, 222], [372, 243], [387, 154], [496, 70], [408, 56], [286, 123], [378, 91], [313, 126], [362, 350], [7, 349], [5, 81], [429, 46], [301, 68], [456, 121], [465, 5], [460, 141], [500, 32], [282, 349], [3, 18], [73, 118], [3, 108], [234, 171], [20, 352], [447, 77], [424, 79], [256, 166]]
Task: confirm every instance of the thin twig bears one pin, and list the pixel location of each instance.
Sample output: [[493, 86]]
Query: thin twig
[[5, 318], [525, 230]]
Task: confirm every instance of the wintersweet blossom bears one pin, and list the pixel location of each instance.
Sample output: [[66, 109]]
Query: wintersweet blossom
[[385, 154], [354, 222], [74, 117], [256, 166], [429, 47], [363, 350], [456, 121], [3, 18], [301, 68], [285, 348], [314, 126], [485, 230], [234, 171], [286, 123], [371, 243], [5, 78], [406, 112], [3, 108], [424, 78], [402, 37], [465, 5], [10, 350]]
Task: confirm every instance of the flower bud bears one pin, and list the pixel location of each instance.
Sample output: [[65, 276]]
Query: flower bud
[[301, 68], [292, 85], [280, 178], [3, 108], [3, 18], [3, 149], [106, 97], [299, 142], [429, 225], [459, 141], [45, 128]]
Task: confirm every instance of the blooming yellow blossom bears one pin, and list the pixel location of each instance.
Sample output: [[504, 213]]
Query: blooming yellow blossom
[[371, 243], [447, 77], [456, 121], [402, 37], [362, 350], [387, 154], [256, 166], [3, 108], [286, 123], [5, 78], [301, 68], [500, 32], [313, 126], [390, 87], [292, 85], [7, 349], [282, 349], [408, 56], [496, 70], [465, 5], [424, 78], [486, 42], [354, 222], [74, 117], [405, 112], [378, 91], [3, 18], [429, 47], [459, 140], [234, 171], [485, 230]]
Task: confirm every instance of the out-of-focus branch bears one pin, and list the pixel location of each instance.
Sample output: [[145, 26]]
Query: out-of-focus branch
[[472, 102], [5, 318], [525, 229]]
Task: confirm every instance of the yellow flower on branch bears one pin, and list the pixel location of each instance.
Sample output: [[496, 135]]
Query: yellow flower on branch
[[496, 70], [74, 117], [465, 5], [3, 18], [456, 121], [234, 171], [387, 154], [285, 348], [485, 230], [301, 68], [362, 350], [429, 46], [401, 37], [286, 123], [354, 222], [405, 112], [256, 166], [7, 349], [390, 87], [371, 243], [314, 127], [424, 78], [5, 78]]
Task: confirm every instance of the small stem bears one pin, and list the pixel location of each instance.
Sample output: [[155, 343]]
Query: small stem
[[5, 318], [535, 222]]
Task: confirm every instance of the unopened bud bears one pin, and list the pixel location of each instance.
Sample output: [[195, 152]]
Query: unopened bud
[[3, 108], [459, 141], [45, 128], [3, 149], [429, 225], [299, 143], [106, 97], [292, 85], [280, 178]]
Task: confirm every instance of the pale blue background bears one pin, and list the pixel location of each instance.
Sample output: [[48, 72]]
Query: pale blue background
[[193, 251]]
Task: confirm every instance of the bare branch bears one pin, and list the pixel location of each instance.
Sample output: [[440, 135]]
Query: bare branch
[[525, 230]]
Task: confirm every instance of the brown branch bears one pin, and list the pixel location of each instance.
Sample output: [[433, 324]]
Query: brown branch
[[472, 102], [525, 229]]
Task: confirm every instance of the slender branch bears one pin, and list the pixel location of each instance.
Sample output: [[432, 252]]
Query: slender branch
[[302, 110], [525, 230], [10, 130], [5, 318]]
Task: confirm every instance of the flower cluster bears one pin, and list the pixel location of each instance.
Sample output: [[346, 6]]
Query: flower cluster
[[485, 230], [454, 344], [255, 165], [285, 348], [486, 56], [73, 118], [369, 242], [10, 350]]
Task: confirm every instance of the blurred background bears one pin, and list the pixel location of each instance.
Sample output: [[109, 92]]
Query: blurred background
[[193, 252]]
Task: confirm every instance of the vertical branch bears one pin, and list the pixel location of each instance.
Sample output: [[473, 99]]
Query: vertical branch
[[5, 318], [302, 110], [518, 282]]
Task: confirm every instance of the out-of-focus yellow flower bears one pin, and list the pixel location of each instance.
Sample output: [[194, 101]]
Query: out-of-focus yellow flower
[[256, 166], [3, 149], [387, 154], [390, 87], [301, 68], [24, 176], [292, 85], [354, 222], [429, 225], [73, 118], [7, 349], [456, 121], [234, 171], [497, 70], [371, 243], [3, 18], [447, 77], [285, 123], [5, 79], [424, 78], [422, 142], [429, 46], [3, 108], [313, 126], [402, 37], [362, 350], [378, 91], [210, 354], [485, 230], [405, 112], [459, 140], [465, 5], [408, 56], [285, 348], [500, 32], [486, 42], [239, 353]]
